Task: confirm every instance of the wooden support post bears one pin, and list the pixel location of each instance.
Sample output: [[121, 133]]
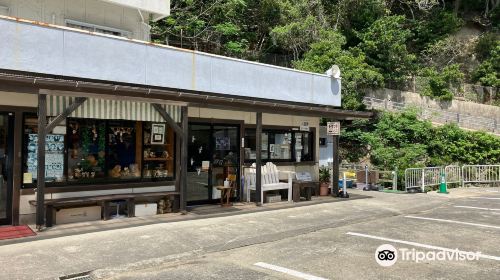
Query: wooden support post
[[184, 158], [40, 189], [258, 160], [44, 129], [72, 107], [335, 166], [167, 118]]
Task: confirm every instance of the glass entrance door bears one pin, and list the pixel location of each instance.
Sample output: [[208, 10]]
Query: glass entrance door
[[213, 156], [6, 156]]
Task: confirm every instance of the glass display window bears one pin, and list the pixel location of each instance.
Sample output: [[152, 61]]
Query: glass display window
[[280, 145], [158, 152], [86, 150]]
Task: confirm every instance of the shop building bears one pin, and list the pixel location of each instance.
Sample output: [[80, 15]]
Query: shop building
[[88, 107]]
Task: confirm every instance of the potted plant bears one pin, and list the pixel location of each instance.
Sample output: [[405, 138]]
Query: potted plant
[[324, 180]]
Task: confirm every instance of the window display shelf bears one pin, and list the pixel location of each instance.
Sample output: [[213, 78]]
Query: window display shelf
[[158, 159]]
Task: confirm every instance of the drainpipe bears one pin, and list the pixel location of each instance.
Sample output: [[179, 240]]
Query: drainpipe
[[145, 25]]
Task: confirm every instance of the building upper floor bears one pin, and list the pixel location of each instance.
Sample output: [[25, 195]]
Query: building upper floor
[[126, 18]]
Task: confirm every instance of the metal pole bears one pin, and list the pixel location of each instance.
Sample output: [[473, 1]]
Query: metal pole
[[258, 159], [40, 190], [366, 175], [335, 166], [184, 158], [423, 179]]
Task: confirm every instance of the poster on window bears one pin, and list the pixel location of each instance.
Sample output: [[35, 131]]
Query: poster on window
[[54, 156], [222, 143], [158, 133]]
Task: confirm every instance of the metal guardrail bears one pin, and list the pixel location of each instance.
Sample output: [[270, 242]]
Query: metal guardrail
[[480, 174], [453, 174], [437, 116], [422, 177]]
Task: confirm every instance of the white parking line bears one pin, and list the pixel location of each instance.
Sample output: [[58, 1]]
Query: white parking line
[[479, 208], [481, 197], [415, 244], [291, 272], [492, 191], [453, 222]]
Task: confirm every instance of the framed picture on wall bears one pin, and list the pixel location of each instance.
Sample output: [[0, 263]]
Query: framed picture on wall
[[158, 134]]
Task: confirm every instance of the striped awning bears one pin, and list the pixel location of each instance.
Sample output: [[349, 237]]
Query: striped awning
[[109, 109]]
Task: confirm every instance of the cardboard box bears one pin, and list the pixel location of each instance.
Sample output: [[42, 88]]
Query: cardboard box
[[80, 214], [147, 209]]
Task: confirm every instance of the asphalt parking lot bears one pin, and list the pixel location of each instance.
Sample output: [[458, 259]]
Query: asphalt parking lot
[[325, 241], [460, 225]]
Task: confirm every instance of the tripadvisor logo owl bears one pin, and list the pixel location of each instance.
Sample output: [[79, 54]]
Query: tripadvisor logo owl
[[387, 255]]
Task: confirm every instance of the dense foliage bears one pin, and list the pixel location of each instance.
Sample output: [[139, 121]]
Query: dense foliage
[[375, 42], [401, 140]]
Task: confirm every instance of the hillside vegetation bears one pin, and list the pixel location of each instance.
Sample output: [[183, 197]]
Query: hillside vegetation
[[376, 43]]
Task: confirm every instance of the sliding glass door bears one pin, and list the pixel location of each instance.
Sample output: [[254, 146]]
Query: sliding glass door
[[213, 156], [6, 157]]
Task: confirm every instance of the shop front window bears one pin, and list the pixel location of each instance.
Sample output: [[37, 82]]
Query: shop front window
[[250, 145], [86, 150], [54, 152], [122, 151], [280, 145], [90, 151]]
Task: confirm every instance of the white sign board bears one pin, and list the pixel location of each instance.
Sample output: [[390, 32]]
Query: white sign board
[[333, 128], [304, 126]]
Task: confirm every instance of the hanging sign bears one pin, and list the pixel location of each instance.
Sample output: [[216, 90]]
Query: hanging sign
[[333, 128]]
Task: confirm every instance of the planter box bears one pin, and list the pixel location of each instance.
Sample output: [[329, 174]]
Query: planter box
[[148, 209], [75, 215], [273, 198]]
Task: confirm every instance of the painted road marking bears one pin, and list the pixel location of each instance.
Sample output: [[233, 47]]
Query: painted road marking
[[421, 245], [291, 272], [492, 191], [453, 222], [492, 198], [479, 208]]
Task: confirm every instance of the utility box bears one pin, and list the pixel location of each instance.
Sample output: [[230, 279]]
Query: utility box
[[147, 209], [80, 214]]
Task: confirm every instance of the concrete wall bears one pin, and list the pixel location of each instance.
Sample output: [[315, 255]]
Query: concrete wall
[[88, 11], [457, 106]]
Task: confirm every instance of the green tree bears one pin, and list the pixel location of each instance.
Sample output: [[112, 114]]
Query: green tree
[[385, 45], [441, 83], [357, 75], [488, 72]]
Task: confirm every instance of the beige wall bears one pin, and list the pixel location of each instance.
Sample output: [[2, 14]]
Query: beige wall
[[18, 99], [88, 11]]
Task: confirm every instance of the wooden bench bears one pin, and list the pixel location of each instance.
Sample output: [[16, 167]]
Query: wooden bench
[[270, 181], [304, 182], [103, 201]]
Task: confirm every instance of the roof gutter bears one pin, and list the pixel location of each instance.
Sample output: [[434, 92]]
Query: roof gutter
[[193, 98]]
